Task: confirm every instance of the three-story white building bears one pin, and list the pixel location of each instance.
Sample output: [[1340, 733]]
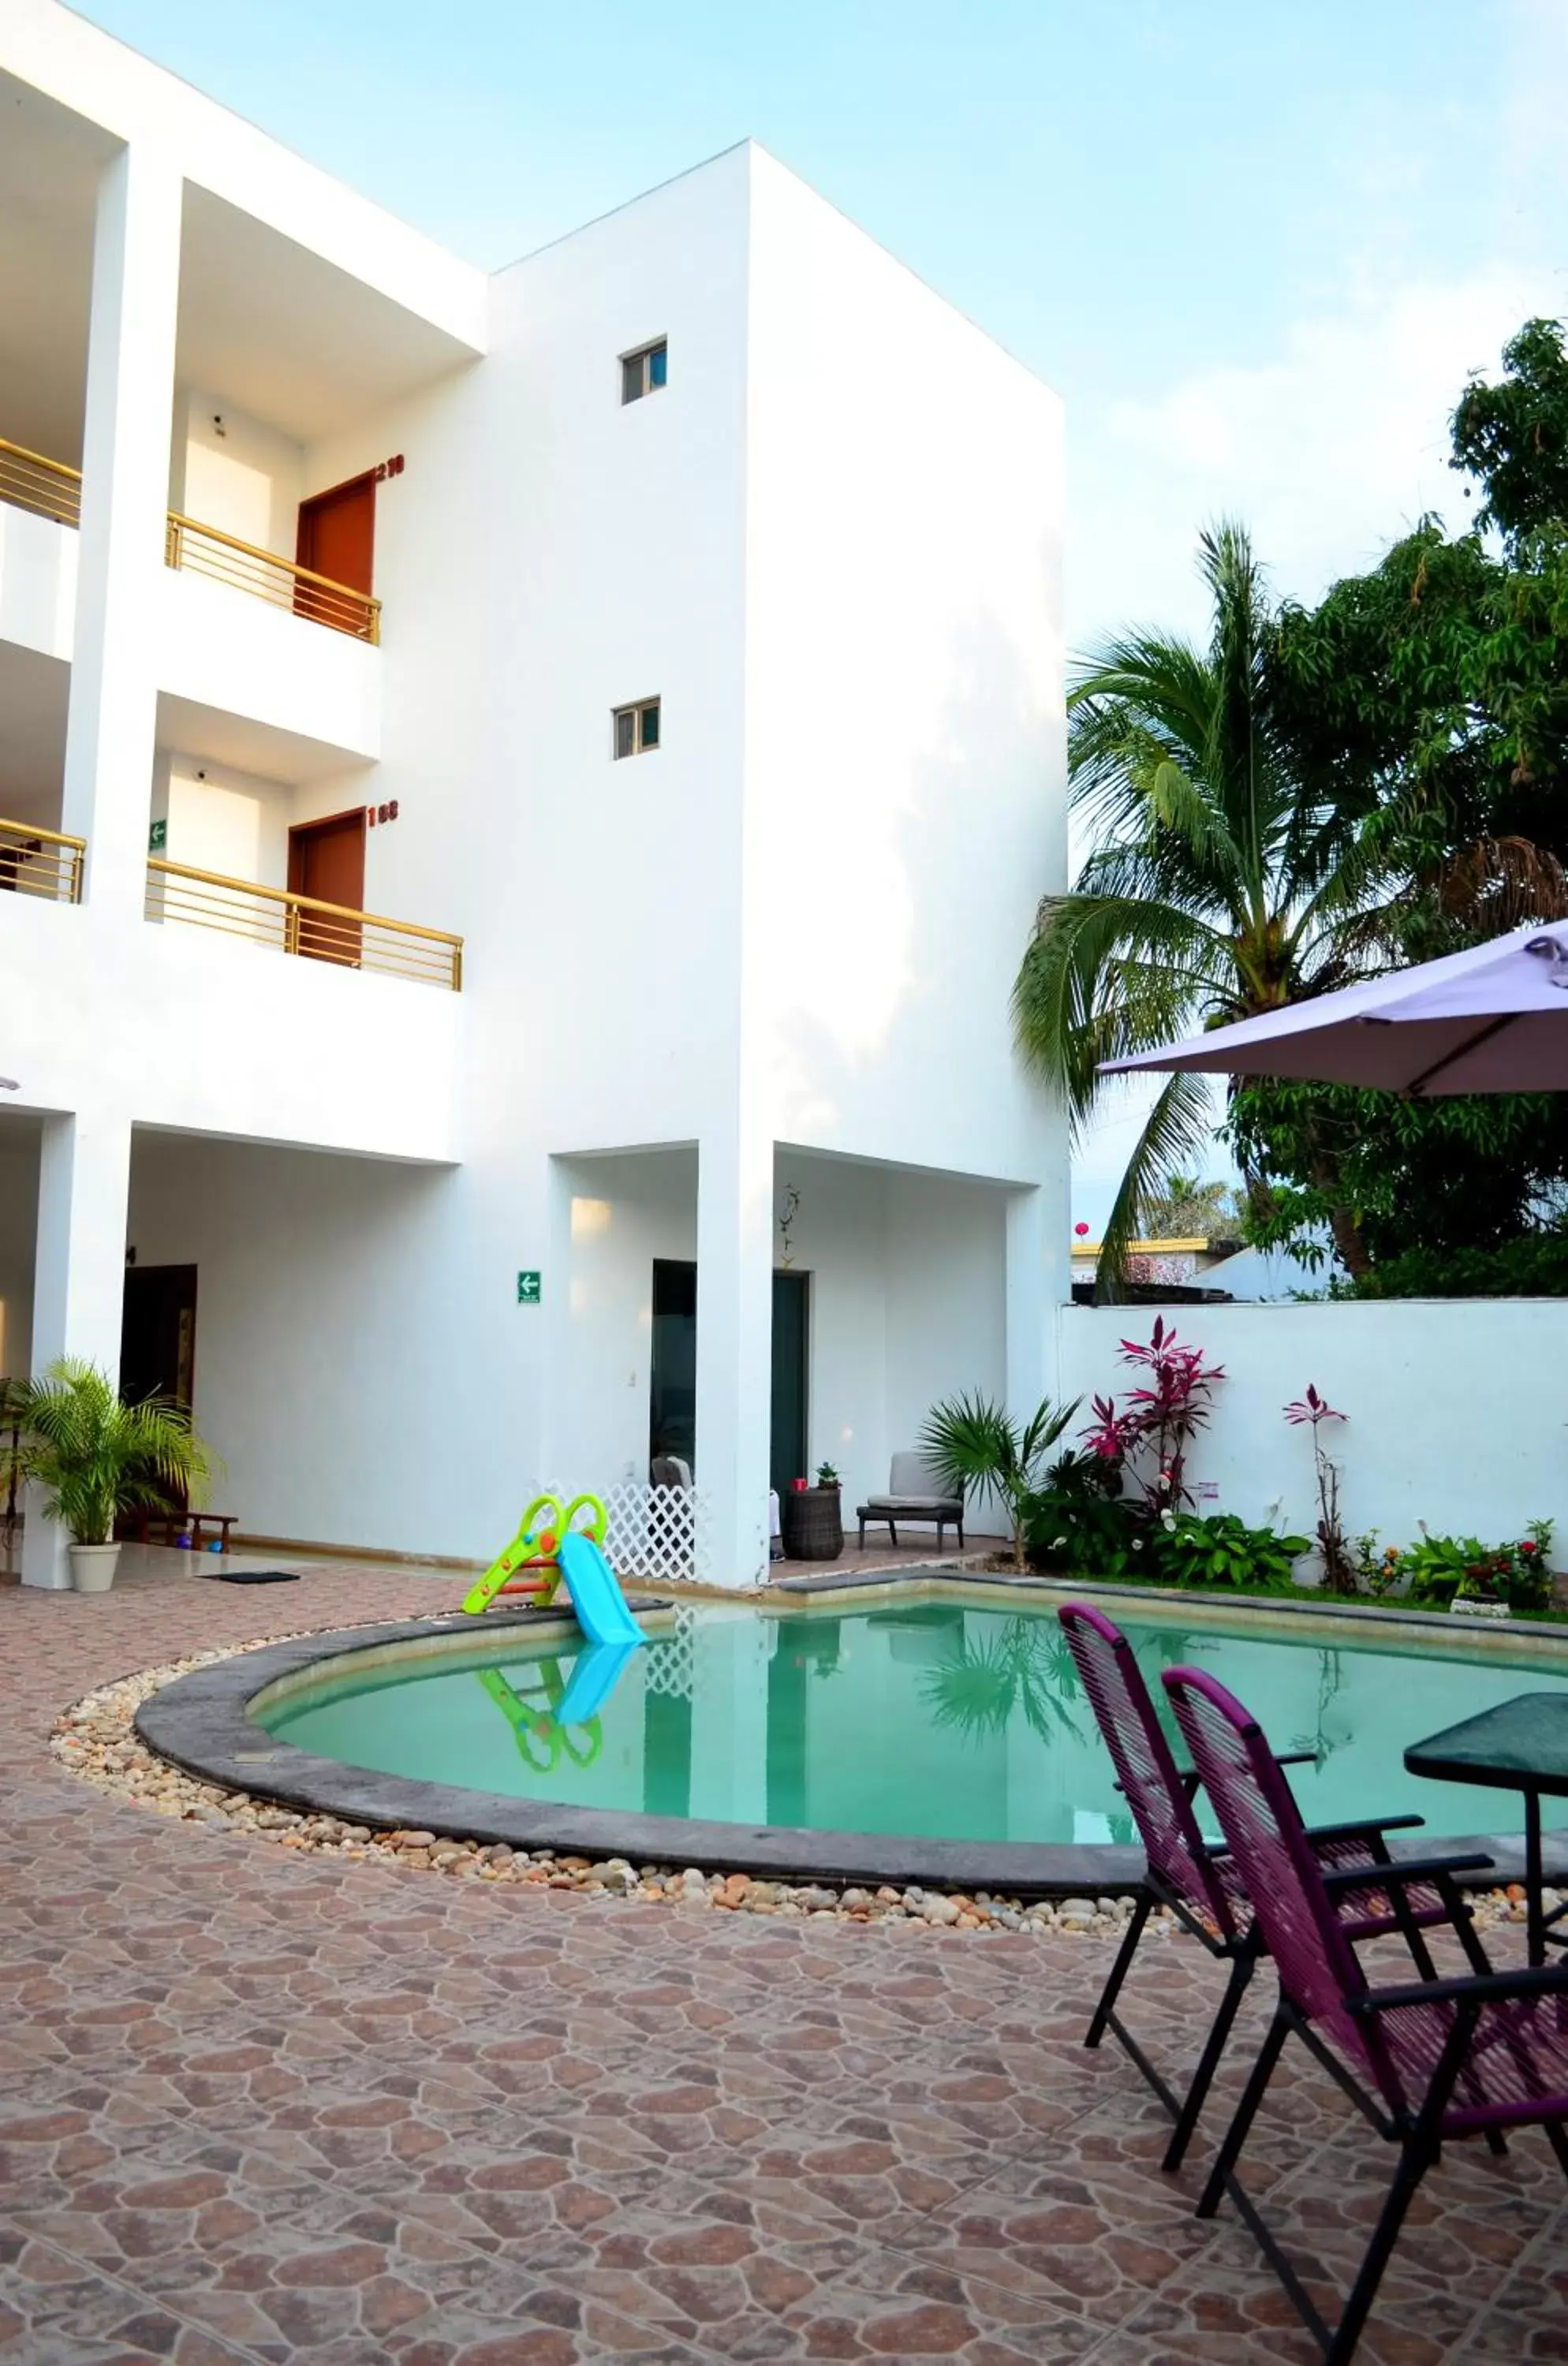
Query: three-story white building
[[521, 798]]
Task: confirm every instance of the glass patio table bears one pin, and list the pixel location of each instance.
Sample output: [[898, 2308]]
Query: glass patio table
[[1520, 1745]]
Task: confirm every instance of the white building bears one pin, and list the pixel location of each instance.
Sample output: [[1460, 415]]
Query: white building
[[737, 1000]]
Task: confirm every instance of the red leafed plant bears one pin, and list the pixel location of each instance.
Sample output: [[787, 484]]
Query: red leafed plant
[[1157, 1421], [1314, 1410]]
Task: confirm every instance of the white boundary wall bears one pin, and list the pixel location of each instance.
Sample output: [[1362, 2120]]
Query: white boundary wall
[[1457, 1410]]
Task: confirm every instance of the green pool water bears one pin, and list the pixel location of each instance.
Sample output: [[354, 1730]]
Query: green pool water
[[936, 1717]]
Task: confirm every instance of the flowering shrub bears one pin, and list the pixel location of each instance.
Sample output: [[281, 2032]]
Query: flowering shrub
[[1150, 1432], [1445, 1569], [1314, 1411]]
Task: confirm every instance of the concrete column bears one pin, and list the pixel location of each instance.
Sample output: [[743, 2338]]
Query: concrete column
[[1031, 1337], [734, 1319], [112, 717], [78, 1281]]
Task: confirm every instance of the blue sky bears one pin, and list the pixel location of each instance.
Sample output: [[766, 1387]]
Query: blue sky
[[1257, 247]]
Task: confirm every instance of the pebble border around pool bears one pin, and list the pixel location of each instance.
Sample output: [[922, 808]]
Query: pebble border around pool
[[96, 1740], [201, 1722]]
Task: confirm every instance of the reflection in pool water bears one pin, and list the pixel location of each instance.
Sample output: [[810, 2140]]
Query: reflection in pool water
[[933, 1717]]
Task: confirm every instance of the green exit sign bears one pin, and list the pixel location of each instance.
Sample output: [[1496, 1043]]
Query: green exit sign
[[158, 838], [527, 1290]]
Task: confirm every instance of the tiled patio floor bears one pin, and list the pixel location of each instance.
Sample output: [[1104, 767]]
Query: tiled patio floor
[[255, 2105]]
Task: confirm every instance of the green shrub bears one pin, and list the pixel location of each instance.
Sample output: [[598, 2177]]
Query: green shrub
[[1223, 1550], [1444, 1568]]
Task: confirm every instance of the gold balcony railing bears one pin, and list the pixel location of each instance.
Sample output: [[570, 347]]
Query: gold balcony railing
[[51, 490], [29, 481], [207, 551], [43, 862], [278, 918]]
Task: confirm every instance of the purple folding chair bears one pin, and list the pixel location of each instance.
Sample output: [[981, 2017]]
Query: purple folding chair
[[1434, 2060], [1199, 1882]]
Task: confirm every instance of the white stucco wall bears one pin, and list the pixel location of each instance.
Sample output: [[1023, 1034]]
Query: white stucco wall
[[1454, 1414], [235, 472], [904, 754]]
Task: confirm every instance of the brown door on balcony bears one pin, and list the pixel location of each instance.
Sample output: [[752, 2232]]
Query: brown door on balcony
[[326, 861], [337, 537]]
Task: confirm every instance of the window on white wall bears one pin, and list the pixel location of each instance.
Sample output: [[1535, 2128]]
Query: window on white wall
[[637, 728], [644, 372]]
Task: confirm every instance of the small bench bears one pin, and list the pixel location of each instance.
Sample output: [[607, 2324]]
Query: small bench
[[154, 1527]]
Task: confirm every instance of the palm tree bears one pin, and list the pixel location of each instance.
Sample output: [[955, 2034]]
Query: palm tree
[[970, 1442], [1224, 881], [94, 1455]]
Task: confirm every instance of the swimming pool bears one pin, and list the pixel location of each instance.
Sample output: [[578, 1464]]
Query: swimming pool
[[950, 1718]]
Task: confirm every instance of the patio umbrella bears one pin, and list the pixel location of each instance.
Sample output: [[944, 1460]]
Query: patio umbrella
[[1493, 1019]]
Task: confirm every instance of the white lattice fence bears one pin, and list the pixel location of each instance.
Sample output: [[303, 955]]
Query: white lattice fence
[[654, 1532]]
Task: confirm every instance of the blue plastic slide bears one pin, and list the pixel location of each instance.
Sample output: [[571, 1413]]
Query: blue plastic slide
[[596, 1597]]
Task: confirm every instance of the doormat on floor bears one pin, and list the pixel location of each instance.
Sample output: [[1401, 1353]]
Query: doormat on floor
[[252, 1576]]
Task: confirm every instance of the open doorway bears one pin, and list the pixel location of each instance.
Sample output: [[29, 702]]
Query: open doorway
[[787, 1449], [157, 1353], [672, 1370]]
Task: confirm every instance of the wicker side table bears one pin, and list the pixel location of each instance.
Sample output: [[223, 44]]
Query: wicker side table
[[813, 1524]]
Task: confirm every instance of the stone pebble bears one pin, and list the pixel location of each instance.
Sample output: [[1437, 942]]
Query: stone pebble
[[96, 1740]]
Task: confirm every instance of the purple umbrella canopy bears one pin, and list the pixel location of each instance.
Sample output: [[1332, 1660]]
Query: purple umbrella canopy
[[1493, 1019]]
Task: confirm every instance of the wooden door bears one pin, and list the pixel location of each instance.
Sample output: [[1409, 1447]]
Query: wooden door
[[337, 537], [326, 861]]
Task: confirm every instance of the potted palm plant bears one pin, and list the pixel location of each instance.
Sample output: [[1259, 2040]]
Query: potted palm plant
[[95, 1455]]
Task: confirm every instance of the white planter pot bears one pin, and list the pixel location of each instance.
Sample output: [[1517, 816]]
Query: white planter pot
[[92, 1567]]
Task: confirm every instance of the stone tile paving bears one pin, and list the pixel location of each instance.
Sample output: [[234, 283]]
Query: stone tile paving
[[255, 2105]]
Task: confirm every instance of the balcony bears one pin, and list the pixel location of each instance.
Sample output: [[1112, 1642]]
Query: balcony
[[281, 921], [45, 864], [48, 489]]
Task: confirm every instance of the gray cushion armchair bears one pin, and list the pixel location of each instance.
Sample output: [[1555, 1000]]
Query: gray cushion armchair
[[915, 1494]]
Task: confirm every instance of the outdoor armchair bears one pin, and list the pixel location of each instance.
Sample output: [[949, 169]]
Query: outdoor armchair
[[1200, 1883], [1424, 2062], [914, 1494]]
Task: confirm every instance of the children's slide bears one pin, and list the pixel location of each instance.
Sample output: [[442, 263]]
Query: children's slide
[[596, 1597]]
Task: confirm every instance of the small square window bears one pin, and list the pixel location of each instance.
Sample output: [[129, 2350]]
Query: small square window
[[637, 728], [644, 372]]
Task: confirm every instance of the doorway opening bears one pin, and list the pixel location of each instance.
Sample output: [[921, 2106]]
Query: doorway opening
[[157, 1353], [672, 1384], [673, 1376], [792, 1319], [326, 861]]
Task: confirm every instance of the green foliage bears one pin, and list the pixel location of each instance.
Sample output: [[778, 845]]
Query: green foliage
[[1321, 793], [1185, 1209], [1513, 436], [1534, 1264], [1224, 878], [827, 1476], [96, 1456], [1074, 1530], [1223, 1550], [975, 1446], [1443, 1569], [1077, 1525]]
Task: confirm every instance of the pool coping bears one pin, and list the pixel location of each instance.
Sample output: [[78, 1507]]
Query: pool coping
[[201, 1722]]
